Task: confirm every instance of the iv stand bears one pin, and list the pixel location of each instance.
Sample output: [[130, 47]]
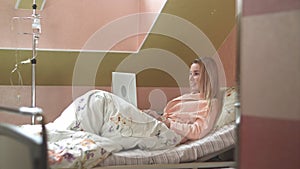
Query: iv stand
[[36, 30]]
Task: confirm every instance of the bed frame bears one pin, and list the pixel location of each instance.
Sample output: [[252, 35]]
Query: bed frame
[[192, 165], [19, 142], [210, 161], [224, 158], [37, 146]]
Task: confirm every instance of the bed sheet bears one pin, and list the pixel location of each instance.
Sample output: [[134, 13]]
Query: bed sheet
[[223, 138]]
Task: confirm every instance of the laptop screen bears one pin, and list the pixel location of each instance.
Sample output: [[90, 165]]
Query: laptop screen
[[124, 86]]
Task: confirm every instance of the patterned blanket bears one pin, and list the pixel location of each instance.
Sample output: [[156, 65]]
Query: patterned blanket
[[99, 123]]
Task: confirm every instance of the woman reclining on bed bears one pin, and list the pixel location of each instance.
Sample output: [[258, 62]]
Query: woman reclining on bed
[[192, 115], [188, 117]]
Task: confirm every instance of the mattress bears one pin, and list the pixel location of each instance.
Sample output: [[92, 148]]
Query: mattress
[[221, 139]]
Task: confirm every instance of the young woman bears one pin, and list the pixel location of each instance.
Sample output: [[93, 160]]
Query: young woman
[[193, 115]]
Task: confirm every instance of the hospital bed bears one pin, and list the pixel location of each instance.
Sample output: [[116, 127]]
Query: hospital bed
[[216, 150]]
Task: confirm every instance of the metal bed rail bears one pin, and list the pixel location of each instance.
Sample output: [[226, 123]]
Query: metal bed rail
[[37, 144]]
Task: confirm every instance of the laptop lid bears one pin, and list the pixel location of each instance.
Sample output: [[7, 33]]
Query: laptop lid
[[124, 86]]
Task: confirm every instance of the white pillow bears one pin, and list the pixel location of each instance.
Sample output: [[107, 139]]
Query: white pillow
[[228, 113]]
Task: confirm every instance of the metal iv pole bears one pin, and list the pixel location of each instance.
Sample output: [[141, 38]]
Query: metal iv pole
[[36, 30]]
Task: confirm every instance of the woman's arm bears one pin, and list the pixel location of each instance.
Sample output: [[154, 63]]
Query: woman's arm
[[189, 131]]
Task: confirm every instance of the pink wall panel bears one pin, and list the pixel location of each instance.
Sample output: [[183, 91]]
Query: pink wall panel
[[54, 99], [269, 143], [71, 24], [228, 56]]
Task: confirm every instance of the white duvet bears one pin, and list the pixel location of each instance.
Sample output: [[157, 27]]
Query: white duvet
[[99, 123]]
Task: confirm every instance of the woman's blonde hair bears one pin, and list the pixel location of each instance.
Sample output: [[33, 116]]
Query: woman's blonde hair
[[209, 73]]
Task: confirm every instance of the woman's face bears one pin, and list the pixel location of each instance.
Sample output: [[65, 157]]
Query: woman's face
[[195, 77]]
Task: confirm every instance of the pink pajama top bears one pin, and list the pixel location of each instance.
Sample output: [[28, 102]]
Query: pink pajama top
[[190, 116]]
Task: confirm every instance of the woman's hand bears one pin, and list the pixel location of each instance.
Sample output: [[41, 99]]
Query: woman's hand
[[158, 117], [165, 120]]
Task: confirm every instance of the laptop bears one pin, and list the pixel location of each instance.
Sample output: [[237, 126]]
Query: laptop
[[124, 86]]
